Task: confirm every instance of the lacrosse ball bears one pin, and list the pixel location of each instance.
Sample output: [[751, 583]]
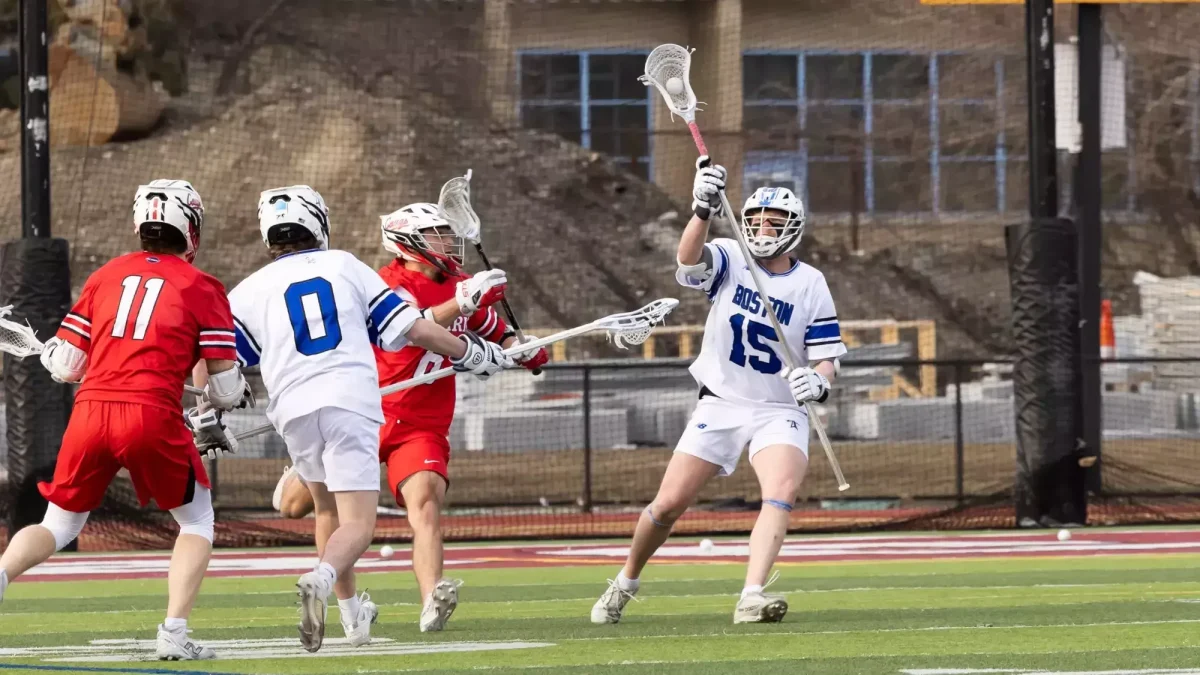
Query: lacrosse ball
[[543, 501], [674, 86], [706, 546], [387, 552], [1064, 535]]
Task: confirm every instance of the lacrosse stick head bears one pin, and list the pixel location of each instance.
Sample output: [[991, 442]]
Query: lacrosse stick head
[[671, 62], [634, 328], [455, 205], [17, 339]]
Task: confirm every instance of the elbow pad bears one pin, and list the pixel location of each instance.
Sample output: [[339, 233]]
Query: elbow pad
[[65, 361], [226, 388]]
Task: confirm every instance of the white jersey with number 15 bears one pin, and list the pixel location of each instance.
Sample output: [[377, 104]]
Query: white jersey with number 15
[[309, 320], [741, 358]]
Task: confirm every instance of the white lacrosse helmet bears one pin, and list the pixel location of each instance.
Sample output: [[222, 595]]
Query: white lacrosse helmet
[[286, 214], [405, 235], [788, 221], [173, 203]]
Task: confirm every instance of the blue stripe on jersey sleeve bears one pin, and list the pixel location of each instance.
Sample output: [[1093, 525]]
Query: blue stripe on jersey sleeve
[[247, 347], [822, 332], [721, 260], [383, 314]]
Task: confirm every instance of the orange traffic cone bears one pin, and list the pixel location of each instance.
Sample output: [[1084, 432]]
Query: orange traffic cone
[[1108, 338]]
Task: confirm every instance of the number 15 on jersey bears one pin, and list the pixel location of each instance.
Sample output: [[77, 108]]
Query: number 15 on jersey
[[759, 335]]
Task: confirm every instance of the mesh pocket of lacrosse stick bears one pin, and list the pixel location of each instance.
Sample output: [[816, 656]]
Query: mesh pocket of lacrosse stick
[[634, 328], [672, 61], [17, 339], [455, 205]]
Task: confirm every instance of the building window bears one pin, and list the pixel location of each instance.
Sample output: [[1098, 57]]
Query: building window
[[590, 98], [879, 132]]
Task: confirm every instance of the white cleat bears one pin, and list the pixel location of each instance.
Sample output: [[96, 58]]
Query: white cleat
[[611, 605], [359, 634], [3, 583], [761, 607], [440, 605], [277, 498], [314, 606], [177, 646]]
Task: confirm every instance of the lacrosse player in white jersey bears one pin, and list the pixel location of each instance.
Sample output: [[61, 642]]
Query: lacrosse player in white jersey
[[309, 320], [747, 396]]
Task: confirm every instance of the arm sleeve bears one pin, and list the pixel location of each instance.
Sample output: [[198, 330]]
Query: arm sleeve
[[717, 259], [218, 340], [388, 317], [823, 336], [488, 325], [248, 347], [76, 326]]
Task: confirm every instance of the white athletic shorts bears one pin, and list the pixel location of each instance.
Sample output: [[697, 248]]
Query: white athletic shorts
[[719, 430], [336, 447]]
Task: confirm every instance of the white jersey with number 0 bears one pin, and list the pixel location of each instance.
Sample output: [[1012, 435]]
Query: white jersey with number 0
[[309, 320], [741, 358]]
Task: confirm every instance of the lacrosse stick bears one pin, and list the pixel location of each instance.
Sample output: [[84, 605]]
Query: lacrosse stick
[[668, 68], [626, 328], [455, 204]]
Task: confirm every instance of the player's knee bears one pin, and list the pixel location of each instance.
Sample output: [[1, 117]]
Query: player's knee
[[781, 504], [296, 503], [63, 525], [196, 517], [664, 516]]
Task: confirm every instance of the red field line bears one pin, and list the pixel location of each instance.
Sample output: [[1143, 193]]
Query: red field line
[[795, 550]]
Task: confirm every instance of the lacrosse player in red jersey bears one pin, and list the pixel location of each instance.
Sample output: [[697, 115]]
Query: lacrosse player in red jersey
[[414, 443], [140, 324]]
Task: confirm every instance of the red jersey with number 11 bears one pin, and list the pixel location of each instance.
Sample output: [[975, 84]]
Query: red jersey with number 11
[[144, 319], [431, 406]]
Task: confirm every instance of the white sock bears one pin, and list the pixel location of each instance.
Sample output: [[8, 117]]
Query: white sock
[[349, 609], [751, 589], [627, 584], [326, 572], [175, 625], [3, 583]]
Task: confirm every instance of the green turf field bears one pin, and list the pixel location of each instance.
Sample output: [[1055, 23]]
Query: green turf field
[[1084, 615]]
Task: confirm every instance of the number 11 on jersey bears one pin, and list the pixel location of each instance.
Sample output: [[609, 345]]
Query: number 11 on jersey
[[129, 289]]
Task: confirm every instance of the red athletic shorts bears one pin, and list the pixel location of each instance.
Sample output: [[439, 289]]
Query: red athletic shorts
[[102, 437], [407, 450]]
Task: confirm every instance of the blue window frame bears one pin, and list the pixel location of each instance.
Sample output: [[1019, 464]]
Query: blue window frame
[[591, 98], [880, 132]]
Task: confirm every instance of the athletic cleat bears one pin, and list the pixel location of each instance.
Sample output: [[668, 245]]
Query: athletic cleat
[[314, 607], [277, 498], [759, 607], [440, 605], [611, 605], [360, 633], [177, 646]]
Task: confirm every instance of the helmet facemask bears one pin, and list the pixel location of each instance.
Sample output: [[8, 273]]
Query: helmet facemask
[[418, 234], [773, 221]]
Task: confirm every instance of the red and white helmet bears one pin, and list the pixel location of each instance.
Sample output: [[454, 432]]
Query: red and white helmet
[[407, 234], [174, 203]]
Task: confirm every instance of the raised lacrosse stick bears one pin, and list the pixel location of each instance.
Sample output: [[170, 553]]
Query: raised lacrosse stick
[[668, 68], [20, 341], [455, 204], [626, 328]]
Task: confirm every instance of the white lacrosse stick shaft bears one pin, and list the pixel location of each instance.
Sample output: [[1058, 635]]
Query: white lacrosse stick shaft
[[605, 324], [689, 116]]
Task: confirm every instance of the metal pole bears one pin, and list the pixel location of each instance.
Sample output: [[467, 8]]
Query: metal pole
[[1043, 157], [958, 433], [586, 505], [1088, 202], [35, 120]]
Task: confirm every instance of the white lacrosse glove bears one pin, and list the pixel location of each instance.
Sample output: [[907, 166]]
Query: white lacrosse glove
[[807, 385], [66, 362], [209, 432], [480, 291], [710, 180], [482, 359]]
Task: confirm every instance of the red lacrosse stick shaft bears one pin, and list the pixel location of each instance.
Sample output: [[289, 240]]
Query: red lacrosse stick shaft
[[697, 138]]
